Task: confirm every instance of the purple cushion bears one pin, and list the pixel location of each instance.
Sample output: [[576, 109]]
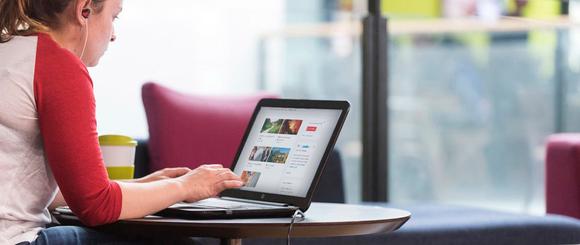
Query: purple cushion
[[190, 130], [563, 174]]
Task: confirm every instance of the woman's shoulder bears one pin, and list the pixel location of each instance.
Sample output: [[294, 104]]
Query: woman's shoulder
[[48, 49], [57, 64]]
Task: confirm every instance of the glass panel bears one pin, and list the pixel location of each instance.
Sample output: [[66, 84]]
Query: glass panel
[[570, 70], [470, 110], [318, 56]]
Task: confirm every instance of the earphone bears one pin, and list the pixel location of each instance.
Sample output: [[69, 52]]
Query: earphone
[[86, 12]]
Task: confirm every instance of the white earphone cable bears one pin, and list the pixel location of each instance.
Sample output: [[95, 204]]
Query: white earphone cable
[[86, 38]]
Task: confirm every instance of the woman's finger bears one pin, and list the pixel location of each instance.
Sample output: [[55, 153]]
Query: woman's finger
[[229, 175], [176, 172], [213, 165], [228, 184]]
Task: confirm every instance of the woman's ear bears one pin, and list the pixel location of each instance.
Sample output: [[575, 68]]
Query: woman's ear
[[82, 11]]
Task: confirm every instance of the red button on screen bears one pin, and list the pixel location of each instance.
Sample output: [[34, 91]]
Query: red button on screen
[[311, 128]]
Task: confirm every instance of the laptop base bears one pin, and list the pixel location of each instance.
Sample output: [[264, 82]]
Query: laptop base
[[200, 214]]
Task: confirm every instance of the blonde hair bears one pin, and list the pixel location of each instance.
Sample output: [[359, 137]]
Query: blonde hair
[[27, 17]]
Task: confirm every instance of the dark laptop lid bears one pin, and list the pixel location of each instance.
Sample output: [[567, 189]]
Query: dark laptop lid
[[285, 148]]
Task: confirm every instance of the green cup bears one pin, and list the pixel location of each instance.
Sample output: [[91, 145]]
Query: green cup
[[119, 155]]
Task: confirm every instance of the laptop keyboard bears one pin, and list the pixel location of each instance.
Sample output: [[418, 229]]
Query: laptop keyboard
[[213, 203]]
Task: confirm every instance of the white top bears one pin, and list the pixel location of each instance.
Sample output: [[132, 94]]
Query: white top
[[27, 184]]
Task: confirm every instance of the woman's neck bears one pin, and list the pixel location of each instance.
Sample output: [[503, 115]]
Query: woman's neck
[[72, 40]]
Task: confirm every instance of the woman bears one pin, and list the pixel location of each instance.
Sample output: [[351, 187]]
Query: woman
[[49, 149]]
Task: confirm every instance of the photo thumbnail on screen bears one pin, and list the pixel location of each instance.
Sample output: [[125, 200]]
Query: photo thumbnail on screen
[[272, 126], [250, 178], [290, 126], [260, 153], [269, 154], [279, 155], [281, 126]]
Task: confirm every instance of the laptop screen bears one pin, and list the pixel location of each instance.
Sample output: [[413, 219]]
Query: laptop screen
[[284, 149]]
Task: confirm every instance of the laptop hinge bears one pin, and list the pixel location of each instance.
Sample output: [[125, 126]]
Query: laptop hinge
[[257, 202]]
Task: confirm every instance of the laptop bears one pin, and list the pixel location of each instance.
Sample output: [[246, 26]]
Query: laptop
[[280, 159]]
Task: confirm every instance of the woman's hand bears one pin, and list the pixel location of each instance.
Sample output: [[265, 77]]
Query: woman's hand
[[208, 181], [167, 173], [174, 185]]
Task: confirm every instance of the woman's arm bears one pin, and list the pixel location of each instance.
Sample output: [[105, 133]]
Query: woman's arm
[[140, 199], [163, 174], [166, 173], [167, 188]]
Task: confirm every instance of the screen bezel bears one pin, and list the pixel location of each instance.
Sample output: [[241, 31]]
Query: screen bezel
[[302, 202]]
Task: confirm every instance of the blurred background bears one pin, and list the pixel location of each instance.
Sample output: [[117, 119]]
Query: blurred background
[[475, 86]]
